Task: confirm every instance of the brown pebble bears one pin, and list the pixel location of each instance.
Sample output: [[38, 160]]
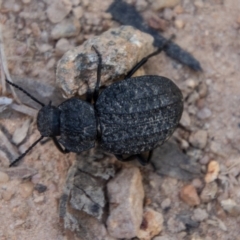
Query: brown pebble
[[26, 189], [152, 224], [209, 192], [8, 194], [212, 171], [189, 195], [179, 23], [4, 177]]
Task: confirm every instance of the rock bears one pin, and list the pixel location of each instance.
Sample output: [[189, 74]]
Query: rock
[[202, 90], [121, 48], [200, 214], [168, 14], [87, 195], [65, 29], [78, 12], [160, 4], [125, 194], [166, 203], [169, 160], [199, 139], [209, 192], [58, 10], [185, 120], [189, 195], [8, 193], [26, 189], [175, 225], [62, 46], [26, 1], [179, 23], [75, 2], [212, 171], [151, 226], [204, 113], [44, 48], [4, 177], [40, 188], [185, 217], [39, 199], [35, 29], [231, 207], [21, 133], [162, 238], [157, 23]]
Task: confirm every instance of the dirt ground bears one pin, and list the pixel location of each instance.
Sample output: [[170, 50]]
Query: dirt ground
[[209, 30]]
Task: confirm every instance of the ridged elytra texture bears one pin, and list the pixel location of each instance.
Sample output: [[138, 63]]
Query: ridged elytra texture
[[137, 114], [77, 125]]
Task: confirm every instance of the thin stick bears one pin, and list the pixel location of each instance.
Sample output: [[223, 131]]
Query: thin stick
[[5, 66]]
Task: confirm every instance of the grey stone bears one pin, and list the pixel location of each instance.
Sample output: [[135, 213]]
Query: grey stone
[[58, 10], [121, 48], [20, 133], [204, 113], [169, 160], [65, 29], [209, 192], [125, 193], [200, 214], [199, 139]]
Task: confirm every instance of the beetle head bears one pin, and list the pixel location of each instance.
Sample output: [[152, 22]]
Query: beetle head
[[48, 121]]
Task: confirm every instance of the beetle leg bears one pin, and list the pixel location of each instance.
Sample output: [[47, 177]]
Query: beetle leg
[[120, 157], [59, 147], [144, 60], [143, 161], [96, 90]]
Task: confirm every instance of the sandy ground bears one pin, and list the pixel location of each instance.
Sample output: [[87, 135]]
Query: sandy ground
[[210, 33]]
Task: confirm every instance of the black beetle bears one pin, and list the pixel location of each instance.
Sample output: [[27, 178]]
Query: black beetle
[[129, 117]]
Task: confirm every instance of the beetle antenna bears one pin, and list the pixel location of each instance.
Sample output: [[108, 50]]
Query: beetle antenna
[[24, 154], [28, 94]]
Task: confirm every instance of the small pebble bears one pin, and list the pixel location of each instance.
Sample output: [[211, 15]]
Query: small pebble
[[166, 203], [185, 120], [75, 2], [26, 189], [212, 171], [199, 139], [19, 223], [21, 132], [78, 12], [168, 14], [209, 192], [231, 207], [58, 10], [200, 214], [179, 23], [204, 160], [39, 199], [8, 194], [178, 9], [26, 1], [198, 3], [44, 47], [204, 113], [189, 195], [62, 46], [152, 224], [35, 29], [3, 177], [160, 4], [175, 226], [65, 29], [197, 183]]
